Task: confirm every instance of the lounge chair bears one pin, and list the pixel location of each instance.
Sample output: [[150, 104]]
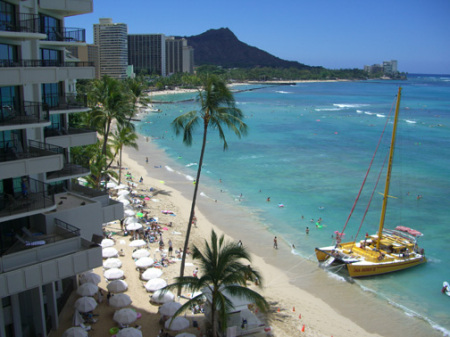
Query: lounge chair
[[30, 243]]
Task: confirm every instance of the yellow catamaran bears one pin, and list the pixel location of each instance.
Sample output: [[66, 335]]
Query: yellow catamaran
[[385, 252]]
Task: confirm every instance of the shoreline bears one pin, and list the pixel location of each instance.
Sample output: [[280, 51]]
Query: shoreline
[[293, 280]]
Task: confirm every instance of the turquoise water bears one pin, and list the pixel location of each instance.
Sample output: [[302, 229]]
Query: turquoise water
[[309, 146]]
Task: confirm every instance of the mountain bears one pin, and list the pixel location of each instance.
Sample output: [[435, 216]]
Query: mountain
[[222, 48]]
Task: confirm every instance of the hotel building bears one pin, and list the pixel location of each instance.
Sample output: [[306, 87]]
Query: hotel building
[[49, 226], [112, 41], [147, 53]]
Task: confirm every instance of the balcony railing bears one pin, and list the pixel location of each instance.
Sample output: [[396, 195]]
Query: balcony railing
[[69, 169], [31, 196], [65, 230], [26, 23], [5, 63], [66, 34], [54, 132], [10, 150], [67, 102], [24, 113]]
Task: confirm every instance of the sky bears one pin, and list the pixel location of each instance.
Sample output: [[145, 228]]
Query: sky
[[335, 34]]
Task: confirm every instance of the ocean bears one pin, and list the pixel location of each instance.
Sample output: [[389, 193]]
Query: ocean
[[308, 148]]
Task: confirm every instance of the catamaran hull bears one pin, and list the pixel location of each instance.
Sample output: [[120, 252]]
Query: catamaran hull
[[364, 269]]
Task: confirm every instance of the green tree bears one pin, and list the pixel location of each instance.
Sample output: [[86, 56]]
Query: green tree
[[109, 103], [137, 94], [123, 136], [223, 274], [217, 108]]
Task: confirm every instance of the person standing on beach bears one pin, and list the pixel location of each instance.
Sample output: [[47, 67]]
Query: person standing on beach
[[275, 243], [170, 247]]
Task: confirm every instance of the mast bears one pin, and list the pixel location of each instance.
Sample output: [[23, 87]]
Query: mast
[[389, 169]]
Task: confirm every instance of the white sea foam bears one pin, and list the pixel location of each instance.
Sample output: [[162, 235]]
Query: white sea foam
[[369, 113], [328, 109], [409, 121], [283, 92], [190, 178], [381, 115], [359, 111], [348, 106], [191, 164], [168, 168]]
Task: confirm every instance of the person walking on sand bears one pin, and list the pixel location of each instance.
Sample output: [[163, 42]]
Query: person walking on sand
[[275, 243], [170, 248]]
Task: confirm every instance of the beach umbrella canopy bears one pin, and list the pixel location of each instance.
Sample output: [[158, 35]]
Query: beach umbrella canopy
[[177, 323], [111, 184], [129, 332], [151, 273], [112, 262], [134, 226], [155, 284], [140, 253], [90, 277], [107, 243], [125, 202], [131, 219], [129, 212], [160, 297], [87, 289], [123, 192], [117, 286], [121, 186], [109, 252], [169, 308], [113, 274], [85, 304], [120, 300], [144, 262], [75, 332], [137, 243], [125, 316], [77, 319]]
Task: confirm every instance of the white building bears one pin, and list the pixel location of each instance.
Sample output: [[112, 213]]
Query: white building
[[47, 224]]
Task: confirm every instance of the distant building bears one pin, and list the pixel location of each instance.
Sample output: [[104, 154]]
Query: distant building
[[147, 52], [112, 39], [179, 56], [387, 68]]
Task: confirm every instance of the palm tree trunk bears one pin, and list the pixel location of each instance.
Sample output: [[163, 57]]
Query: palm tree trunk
[[120, 165], [194, 199]]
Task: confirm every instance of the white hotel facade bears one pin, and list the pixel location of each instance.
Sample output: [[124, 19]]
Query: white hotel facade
[[48, 224]]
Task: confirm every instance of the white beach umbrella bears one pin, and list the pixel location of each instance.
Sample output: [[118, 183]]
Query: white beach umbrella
[[137, 243], [87, 289], [125, 202], [121, 186], [112, 262], [131, 220], [129, 332], [134, 226], [140, 253], [125, 316], [85, 304], [90, 277], [77, 319], [165, 297], [111, 184], [117, 286], [177, 323], [75, 331], [151, 273], [109, 252], [120, 300], [129, 212], [169, 308], [155, 284], [144, 262], [113, 274], [107, 243], [123, 192]]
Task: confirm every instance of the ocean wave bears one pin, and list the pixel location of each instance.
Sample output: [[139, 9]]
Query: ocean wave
[[369, 113], [190, 164], [381, 115], [348, 106], [409, 121], [190, 178], [359, 111], [283, 92], [328, 109], [168, 168]]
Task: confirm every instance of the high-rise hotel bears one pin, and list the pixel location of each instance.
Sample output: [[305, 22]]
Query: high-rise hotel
[[48, 224]]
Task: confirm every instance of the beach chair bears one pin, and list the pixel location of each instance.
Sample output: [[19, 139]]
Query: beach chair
[[30, 243]]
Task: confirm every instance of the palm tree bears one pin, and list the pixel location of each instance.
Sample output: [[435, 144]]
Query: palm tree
[[123, 136], [110, 103], [136, 87], [223, 275], [217, 107]]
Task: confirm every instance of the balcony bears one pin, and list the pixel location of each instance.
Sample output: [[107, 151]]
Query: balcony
[[17, 159], [22, 72], [46, 258], [64, 35], [68, 7], [69, 171], [22, 115], [70, 137], [33, 200], [22, 26], [66, 104]]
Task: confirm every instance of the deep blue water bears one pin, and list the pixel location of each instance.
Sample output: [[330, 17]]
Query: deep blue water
[[309, 147]]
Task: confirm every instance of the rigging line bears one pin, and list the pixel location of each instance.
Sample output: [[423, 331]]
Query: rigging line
[[368, 170], [371, 197]]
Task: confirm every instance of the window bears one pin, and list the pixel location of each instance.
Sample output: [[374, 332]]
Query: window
[[52, 27], [50, 57], [7, 16]]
